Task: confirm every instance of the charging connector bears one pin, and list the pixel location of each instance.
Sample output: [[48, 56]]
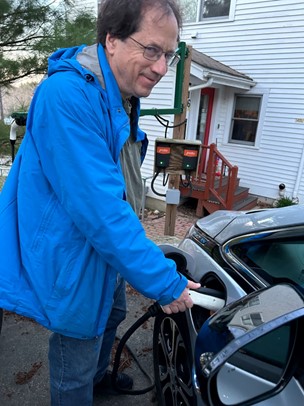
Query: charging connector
[[206, 301]]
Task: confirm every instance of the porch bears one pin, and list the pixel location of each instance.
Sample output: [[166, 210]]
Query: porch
[[216, 186]]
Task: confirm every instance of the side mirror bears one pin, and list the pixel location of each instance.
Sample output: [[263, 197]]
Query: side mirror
[[248, 351]]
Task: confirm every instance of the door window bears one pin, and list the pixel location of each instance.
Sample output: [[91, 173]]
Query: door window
[[202, 118]]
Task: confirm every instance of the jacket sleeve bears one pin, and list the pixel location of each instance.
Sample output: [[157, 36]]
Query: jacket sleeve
[[76, 153]]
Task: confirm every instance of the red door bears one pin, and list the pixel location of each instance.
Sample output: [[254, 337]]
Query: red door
[[204, 121]]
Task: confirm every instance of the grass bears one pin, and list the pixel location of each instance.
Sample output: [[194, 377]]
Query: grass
[[5, 146], [2, 180], [284, 201]]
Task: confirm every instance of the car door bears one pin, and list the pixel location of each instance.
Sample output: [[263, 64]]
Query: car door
[[250, 352]]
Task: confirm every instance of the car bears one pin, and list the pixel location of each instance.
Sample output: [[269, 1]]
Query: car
[[239, 258], [1, 318]]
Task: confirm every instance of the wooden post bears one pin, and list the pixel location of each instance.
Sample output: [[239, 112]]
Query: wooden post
[[178, 133]]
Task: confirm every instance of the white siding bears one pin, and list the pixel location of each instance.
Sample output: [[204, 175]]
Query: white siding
[[266, 42]]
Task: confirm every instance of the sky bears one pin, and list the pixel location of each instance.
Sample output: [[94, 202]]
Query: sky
[[87, 3]]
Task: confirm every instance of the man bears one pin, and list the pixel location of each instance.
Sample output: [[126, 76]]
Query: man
[[71, 235]]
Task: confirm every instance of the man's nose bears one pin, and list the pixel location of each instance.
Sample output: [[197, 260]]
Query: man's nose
[[160, 66]]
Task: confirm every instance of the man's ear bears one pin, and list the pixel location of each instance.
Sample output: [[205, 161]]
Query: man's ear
[[111, 43]]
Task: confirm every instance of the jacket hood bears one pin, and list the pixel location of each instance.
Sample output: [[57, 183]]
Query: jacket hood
[[64, 59]]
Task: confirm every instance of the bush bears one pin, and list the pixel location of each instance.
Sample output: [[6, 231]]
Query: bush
[[284, 201]]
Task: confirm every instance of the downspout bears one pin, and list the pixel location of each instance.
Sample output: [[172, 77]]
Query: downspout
[[299, 177], [202, 86]]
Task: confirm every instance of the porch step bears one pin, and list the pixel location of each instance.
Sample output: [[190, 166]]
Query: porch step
[[249, 203], [242, 199], [198, 187], [210, 206]]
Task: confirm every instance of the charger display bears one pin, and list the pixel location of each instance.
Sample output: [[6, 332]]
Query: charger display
[[162, 155], [190, 158]]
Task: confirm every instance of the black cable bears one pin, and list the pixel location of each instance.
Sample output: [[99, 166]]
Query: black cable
[[164, 122], [159, 119], [152, 185], [187, 184], [153, 311], [183, 183], [165, 179]]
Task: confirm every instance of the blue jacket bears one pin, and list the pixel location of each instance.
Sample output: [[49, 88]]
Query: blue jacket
[[65, 227]]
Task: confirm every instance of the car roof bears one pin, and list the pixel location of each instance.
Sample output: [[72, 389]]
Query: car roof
[[223, 225]]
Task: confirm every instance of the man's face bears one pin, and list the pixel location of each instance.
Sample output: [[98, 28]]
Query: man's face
[[136, 75]]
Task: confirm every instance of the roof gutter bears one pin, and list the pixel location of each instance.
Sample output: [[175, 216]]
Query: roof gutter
[[201, 86], [225, 79], [221, 78]]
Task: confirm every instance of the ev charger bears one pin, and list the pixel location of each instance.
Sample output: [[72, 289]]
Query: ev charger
[[174, 156], [162, 155]]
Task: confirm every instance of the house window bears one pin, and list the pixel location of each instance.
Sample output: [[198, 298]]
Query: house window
[[189, 8], [201, 10], [215, 8], [245, 119], [252, 319]]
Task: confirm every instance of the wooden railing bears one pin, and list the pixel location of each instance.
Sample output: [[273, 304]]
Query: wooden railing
[[219, 175]]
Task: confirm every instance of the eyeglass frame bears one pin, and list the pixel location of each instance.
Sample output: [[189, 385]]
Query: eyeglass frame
[[172, 58]]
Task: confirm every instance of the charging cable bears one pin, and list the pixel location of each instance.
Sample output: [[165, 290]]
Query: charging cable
[[204, 297], [153, 311]]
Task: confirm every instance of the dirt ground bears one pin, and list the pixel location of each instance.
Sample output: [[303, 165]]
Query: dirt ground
[[24, 379]]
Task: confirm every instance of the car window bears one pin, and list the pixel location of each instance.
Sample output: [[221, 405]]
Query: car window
[[278, 260]]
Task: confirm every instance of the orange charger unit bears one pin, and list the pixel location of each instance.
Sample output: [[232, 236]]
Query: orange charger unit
[[174, 156]]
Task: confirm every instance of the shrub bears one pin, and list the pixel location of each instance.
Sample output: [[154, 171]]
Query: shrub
[[284, 201]]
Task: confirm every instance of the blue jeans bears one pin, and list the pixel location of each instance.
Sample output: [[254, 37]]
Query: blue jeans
[[76, 365]]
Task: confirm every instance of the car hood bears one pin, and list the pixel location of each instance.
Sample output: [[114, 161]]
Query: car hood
[[226, 224]]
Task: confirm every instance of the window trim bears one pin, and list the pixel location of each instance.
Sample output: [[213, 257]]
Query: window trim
[[212, 20], [233, 118], [264, 93], [229, 17]]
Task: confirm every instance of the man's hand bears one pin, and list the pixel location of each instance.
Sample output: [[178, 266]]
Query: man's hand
[[183, 302]]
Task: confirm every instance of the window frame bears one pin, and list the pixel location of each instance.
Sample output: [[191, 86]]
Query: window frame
[[234, 119], [208, 20]]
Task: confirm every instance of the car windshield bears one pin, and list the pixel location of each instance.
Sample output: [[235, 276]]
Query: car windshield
[[277, 260]]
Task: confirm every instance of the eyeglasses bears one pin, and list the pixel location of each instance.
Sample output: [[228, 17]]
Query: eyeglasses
[[154, 53]]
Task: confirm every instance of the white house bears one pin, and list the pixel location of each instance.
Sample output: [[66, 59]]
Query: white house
[[246, 91]]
